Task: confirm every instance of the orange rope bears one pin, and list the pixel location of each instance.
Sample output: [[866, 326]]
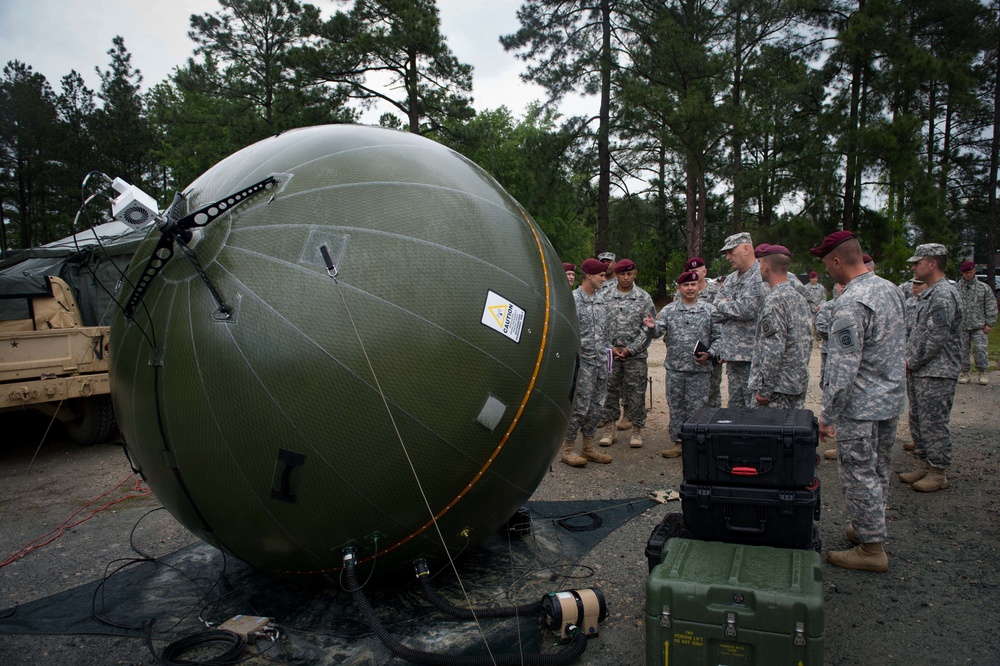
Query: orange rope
[[137, 491]]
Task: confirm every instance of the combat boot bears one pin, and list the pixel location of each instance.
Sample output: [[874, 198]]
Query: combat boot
[[864, 557], [909, 446], [636, 441], [852, 535], [673, 452], [624, 423], [590, 453], [983, 379], [915, 475], [935, 479], [570, 456], [609, 434], [830, 454], [963, 377]]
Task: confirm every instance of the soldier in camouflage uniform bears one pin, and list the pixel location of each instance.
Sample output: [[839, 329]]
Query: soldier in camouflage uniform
[[822, 332], [627, 306], [815, 295], [779, 371], [684, 323], [608, 259], [708, 291], [736, 310], [979, 314], [815, 292], [863, 395], [933, 360], [570, 270], [592, 377]]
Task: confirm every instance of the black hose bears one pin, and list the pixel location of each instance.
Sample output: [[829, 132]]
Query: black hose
[[567, 655], [443, 605]]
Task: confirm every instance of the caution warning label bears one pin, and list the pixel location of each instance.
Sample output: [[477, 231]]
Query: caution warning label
[[502, 315]]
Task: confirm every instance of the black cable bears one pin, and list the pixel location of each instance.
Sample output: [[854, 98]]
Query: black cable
[[173, 654], [595, 522], [567, 655], [443, 605]]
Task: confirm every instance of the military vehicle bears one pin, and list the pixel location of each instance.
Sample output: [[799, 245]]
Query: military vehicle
[[56, 303]]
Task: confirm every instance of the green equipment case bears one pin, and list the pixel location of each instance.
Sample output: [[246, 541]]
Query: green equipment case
[[724, 604]]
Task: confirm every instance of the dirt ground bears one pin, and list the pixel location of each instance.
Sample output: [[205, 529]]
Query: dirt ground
[[937, 604]]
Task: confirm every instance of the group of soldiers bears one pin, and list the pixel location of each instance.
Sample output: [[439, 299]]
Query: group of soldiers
[[880, 344]]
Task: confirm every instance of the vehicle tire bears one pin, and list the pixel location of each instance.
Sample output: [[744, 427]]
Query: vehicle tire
[[96, 422]]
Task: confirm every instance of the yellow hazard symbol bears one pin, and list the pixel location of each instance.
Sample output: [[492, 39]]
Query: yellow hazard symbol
[[499, 313]]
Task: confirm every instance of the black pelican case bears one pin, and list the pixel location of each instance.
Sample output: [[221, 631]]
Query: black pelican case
[[774, 448]]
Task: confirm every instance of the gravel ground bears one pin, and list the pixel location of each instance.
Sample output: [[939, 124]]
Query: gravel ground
[[935, 606]]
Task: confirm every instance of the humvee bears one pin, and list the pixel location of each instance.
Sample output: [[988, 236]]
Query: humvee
[[55, 312]]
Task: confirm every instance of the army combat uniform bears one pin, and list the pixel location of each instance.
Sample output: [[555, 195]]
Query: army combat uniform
[[863, 395], [796, 283], [822, 324], [683, 326], [782, 346], [736, 311], [933, 359], [815, 295], [627, 383], [592, 378], [979, 310]]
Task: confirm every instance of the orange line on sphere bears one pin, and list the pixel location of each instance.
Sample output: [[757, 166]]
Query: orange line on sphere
[[517, 416], [510, 430]]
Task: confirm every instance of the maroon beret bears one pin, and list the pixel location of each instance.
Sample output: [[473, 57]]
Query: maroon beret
[[774, 249], [866, 258], [687, 276], [569, 267], [693, 263], [813, 274], [830, 242], [758, 251], [624, 265], [967, 266], [593, 266]]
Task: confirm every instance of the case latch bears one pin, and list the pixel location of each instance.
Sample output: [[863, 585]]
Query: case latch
[[800, 638], [731, 625], [665, 617]]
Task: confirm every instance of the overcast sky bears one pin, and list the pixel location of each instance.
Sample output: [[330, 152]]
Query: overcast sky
[[56, 36]]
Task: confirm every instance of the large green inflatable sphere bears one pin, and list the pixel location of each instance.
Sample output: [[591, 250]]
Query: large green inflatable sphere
[[391, 367]]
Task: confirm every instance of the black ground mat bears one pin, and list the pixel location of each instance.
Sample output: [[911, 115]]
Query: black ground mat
[[175, 595]]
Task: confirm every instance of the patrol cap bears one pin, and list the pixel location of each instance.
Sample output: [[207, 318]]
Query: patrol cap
[[624, 265], [693, 263], [775, 249], [758, 251], [736, 239], [813, 274], [967, 266], [928, 250], [687, 276], [568, 266], [831, 242], [593, 266], [606, 256]]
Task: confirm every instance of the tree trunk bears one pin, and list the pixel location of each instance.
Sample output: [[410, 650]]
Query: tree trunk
[[737, 125], [661, 213], [603, 143], [991, 234], [931, 122], [851, 163], [413, 112], [691, 199]]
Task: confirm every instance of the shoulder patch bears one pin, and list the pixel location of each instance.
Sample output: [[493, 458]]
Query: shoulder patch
[[766, 327], [844, 334]]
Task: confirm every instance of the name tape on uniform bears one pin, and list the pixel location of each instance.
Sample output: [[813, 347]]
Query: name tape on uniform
[[503, 316]]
